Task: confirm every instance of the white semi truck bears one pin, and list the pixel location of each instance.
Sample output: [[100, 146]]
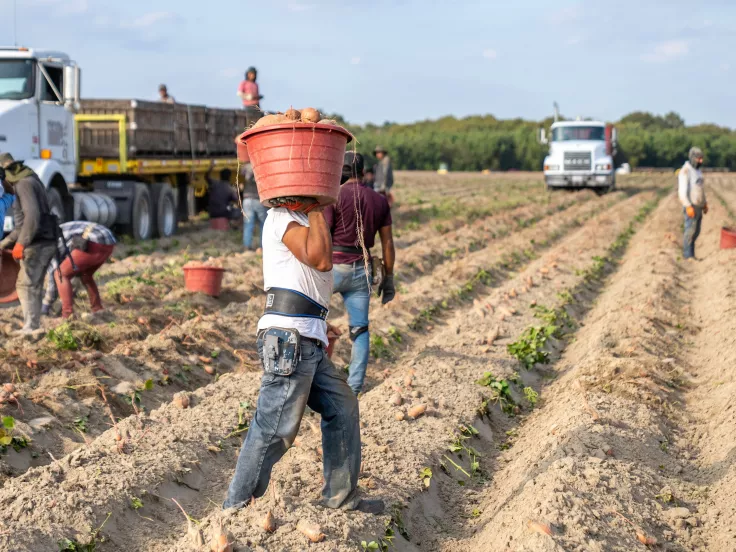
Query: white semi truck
[[133, 165], [580, 155]]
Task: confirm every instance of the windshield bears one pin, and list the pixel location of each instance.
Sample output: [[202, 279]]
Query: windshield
[[16, 79], [566, 133]]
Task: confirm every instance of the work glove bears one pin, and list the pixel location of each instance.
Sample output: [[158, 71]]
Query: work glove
[[705, 209], [388, 291], [690, 210], [18, 252]]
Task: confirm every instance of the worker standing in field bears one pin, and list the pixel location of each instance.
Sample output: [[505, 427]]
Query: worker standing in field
[[359, 203], [691, 191], [34, 239], [253, 211], [90, 246], [384, 174], [291, 342], [163, 94], [249, 93]]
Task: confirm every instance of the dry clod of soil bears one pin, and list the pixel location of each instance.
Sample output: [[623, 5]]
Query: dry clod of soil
[[397, 400]]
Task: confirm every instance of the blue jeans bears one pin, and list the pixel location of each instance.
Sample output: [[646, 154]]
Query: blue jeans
[[317, 383], [351, 282], [252, 211], [692, 231]]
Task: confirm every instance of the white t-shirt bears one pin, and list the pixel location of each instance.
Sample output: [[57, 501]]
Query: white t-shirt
[[283, 270]]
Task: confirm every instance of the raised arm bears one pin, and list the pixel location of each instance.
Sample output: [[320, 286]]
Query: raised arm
[[312, 244]]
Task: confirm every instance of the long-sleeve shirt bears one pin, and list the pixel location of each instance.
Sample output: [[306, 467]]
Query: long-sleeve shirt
[[31, 214], [691, 189], [248, 90], [221, 194], [384, 175], [91, 231], [6, 200]]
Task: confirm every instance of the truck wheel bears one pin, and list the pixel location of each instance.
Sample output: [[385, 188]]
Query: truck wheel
[[55, 203], [165, 210], [141, 227]]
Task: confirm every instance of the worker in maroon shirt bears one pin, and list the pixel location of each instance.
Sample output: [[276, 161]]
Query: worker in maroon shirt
[[350, 276]]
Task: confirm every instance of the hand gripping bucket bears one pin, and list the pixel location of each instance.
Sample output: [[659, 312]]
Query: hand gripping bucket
[[296, 159], [203, 278]]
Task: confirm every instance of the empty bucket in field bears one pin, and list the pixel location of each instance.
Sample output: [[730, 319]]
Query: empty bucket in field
[[203, 278]]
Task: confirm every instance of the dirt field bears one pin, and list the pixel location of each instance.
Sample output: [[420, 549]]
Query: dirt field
[[578, 377]]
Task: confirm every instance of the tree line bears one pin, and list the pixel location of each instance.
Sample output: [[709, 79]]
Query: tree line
[[484, 142]]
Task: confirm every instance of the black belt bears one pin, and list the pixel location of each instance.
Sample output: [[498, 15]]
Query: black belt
[[287, 302], [348, 249]]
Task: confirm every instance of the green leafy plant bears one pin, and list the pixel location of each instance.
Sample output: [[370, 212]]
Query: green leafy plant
[[72, 545], [529, 347], [63, 338], [532, 397], [81, 423], [7, 439], [136, 503], [243, 422], [394, 334], [501, 391], [425, 474], [379, 349]]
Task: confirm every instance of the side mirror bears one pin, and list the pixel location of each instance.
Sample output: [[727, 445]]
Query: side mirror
[[542, 136], [72, 85]]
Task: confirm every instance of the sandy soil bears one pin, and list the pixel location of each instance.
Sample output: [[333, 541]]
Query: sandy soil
[[608, 429]]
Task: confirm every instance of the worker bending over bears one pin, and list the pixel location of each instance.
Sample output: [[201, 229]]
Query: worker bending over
[[357, 203], [291, 342], [691, 191], [89, 245], [222, 197], [34, 239]]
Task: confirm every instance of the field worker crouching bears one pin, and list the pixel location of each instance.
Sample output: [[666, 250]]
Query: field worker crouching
[[291, 342], [90, 246], [691, 191], [34, 239], [357, 202]]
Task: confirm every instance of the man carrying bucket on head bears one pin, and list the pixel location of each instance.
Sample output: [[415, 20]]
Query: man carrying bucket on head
[[291, 342], [359, 207]]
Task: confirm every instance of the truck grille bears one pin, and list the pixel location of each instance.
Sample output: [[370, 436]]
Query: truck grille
[[577, 161]]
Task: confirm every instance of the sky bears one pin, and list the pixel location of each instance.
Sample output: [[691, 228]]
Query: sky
[[402, 60]]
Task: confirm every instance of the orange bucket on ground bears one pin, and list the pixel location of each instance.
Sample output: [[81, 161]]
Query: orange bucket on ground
[[728, 238], [8, 275], [203, 278], [220, 223], [296, 159]]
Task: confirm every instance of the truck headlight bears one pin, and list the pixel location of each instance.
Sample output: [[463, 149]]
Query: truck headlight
[[603, 167], [551, 167]]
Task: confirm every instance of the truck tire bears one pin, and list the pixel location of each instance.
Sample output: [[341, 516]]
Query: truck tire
[[56, 204], [165, 215], [142, 222]]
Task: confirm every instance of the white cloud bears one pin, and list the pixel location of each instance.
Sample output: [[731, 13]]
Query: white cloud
[[355, 60], [299, 7], [148, 20], [667, 51], [230, 72], [490, 53]]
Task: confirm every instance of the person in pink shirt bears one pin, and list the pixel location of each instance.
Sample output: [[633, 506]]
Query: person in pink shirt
[[248, 92]]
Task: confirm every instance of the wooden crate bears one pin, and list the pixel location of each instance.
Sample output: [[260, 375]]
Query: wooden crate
[[221, 131], [150, 128]]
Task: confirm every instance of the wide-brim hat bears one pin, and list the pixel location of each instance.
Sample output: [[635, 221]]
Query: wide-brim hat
[[380, 149], [6, 160]]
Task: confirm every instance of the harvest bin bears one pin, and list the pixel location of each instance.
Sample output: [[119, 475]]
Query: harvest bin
[[159, 129], [728, 238], [203, 278], [296, 159]]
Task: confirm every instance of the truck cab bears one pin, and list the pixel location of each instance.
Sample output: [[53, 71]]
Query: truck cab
[[39, 92], [580, 155]]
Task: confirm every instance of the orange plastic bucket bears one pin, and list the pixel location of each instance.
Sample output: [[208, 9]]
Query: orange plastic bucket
[[728, 238], [296, 159], [203, 278], [8, 275]]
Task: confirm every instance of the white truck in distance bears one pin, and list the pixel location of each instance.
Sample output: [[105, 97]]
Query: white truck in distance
[[580, 155]]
